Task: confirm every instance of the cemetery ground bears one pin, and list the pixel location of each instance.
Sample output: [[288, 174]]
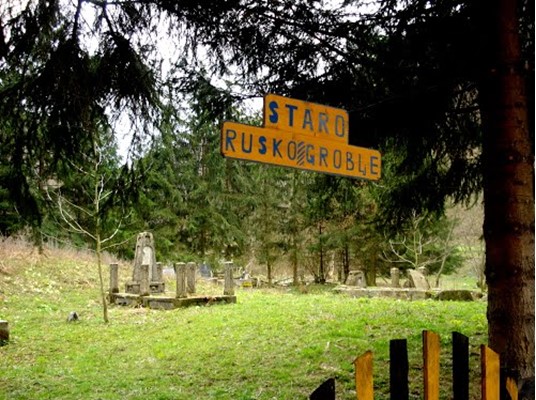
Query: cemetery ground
[[271, 344]]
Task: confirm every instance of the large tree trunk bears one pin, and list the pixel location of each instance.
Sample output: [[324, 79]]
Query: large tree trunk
[[508, 192]]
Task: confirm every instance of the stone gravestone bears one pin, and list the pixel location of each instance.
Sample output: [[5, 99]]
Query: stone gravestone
[[356, 278], [114, 278], [418, 280], [423, 270], [395, 277], [228, 283], [144, 280], [205, 271], [156, 284], [145, 255], [180, 277], [191, 268]]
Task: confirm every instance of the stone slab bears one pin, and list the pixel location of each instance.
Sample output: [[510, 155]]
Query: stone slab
[[167, 302], [157, 287], [393, 293], [132, 287], [457, 295], [418, 279], [124, 299], [410, 294]]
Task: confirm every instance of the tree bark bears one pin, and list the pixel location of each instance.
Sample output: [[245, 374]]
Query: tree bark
[[508, 157], [321, 273], [294, 257], [346, 262]]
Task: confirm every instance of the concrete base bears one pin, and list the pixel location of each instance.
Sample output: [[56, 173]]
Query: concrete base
[[157, 287], [401, 294], [409, 293], [154, 287], [132, 288], [166, 302]]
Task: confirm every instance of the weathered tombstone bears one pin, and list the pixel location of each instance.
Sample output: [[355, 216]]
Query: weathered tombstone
[[455, 295], [190, 277], [418, 280], [180, 276], [205, 271], [145, 255], [157, 284], [356, 278], [114, 278], [144, 280], [158, 272], [4, 332], [228, 284], [395, 277], [423, 271], [168, 272]]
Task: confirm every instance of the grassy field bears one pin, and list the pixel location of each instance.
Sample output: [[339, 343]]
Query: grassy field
[[272, 344]]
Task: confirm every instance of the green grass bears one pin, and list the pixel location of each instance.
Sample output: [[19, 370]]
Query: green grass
[[270, 345]]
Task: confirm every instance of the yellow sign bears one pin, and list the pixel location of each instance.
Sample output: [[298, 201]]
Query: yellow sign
[[298, 150], [291, 115], [304, 135]]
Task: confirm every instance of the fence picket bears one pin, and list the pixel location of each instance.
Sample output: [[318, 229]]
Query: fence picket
[[326, 391], [491, 385], [490, 365], [511, 388], [460, 366], [398, 369], [363, 377], [431, 351]]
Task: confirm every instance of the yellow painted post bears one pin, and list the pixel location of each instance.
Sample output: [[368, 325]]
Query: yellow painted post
[[490, 364], [431, 365], [363, 377], [511, 388]]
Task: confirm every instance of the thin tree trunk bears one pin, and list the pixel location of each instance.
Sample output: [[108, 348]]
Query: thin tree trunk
[[346, 263], [371, 268], [101, 281], [98, 248], [321, 275], [269, 272], [294, 231], [294, 256], [446, 254], [508, 192]]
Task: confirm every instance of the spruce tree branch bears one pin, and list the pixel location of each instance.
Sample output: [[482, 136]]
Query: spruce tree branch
[[72, 222], [76, 20]]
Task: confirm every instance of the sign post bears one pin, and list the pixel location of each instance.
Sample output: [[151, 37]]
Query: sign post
[[299, 134]]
